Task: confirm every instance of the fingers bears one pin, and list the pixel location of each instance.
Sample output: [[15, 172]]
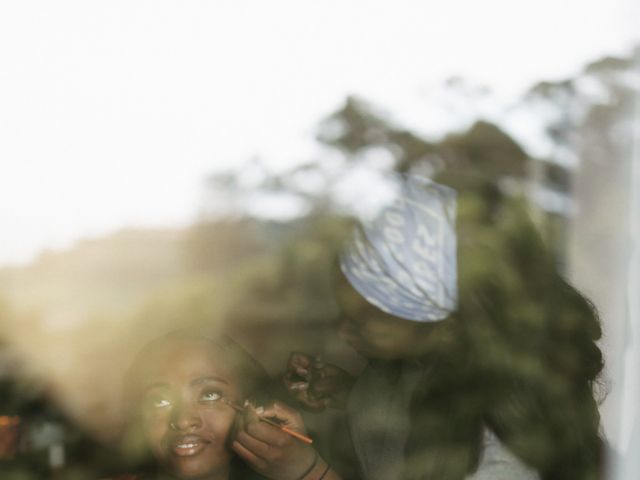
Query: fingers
[[300, 380], [297, 387], [299, 366], [298, 375], [299, 359], [268, 449], [254, 449], [283, 412], [250, 457], [255, 446], [264, 432]]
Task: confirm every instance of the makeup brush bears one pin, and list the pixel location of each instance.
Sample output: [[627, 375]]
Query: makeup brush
[[284, 428]]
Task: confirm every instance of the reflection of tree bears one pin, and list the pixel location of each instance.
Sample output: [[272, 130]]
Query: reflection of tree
[[269, 281], [277, 275], [599, 248], [483, 148], [482, 160], [19, 394], [589, 126], [288, 260], [356, 136], [284, 292]]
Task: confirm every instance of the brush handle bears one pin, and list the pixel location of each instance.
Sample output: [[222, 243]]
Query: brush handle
[[293, 433], [298, 435], [284, 428]]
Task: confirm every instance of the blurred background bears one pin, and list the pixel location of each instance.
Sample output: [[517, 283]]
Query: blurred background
[[169, 164]]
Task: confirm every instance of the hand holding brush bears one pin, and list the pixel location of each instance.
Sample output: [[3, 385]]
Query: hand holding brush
[[271, 448]]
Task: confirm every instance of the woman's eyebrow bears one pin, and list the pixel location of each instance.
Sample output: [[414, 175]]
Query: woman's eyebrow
[[201, 380]]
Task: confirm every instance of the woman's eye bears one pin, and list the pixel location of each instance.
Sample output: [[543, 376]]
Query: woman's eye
[[210, 396]]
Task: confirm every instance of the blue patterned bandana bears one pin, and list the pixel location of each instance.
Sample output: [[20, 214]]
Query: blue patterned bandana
[[404, 261]]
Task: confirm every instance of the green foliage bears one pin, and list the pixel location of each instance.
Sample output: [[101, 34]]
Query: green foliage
[[353, 127], [484, 149], [271, 286]]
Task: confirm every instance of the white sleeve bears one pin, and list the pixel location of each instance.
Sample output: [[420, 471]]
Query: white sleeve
[[498, 463]]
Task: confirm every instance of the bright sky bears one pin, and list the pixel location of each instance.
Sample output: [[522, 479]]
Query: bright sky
[[111, 112]]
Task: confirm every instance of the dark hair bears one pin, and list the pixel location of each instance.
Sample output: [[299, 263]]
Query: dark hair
[[524, 363], [251, 375]]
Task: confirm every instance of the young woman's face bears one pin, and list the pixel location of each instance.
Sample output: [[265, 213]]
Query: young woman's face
[[373, 333], [376, 334], [185, 421]]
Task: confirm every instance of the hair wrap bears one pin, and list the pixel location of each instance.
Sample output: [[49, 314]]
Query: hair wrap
[[404, 260]]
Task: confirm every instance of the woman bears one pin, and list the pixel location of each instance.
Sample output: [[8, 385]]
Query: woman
[[186, 390], [492, 380]]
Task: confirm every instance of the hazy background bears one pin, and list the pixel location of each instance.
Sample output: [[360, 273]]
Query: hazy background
[[113, 112], [176, 163]]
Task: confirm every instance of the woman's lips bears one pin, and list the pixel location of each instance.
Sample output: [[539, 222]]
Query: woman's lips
[[188, 445]]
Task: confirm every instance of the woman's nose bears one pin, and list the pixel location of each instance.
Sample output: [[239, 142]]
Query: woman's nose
[[185, 418]]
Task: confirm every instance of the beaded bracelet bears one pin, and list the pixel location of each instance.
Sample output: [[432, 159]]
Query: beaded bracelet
[[313, 464]]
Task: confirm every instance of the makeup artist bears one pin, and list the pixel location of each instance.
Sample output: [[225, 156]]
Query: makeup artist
[[481, 358]]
